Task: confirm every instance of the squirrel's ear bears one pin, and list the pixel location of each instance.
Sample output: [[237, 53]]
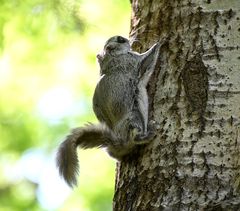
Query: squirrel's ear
[[148, 61]]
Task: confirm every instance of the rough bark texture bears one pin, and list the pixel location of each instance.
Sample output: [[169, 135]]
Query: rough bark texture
[[194, 163]]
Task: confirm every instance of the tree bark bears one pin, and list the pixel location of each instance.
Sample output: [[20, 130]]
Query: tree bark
[[194, 162]]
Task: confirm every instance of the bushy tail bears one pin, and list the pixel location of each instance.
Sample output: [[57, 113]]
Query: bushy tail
[[89, 136]]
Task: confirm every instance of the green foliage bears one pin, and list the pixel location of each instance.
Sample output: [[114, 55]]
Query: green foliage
[[47, 76]]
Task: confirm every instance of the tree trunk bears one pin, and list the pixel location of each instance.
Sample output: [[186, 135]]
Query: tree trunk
[[193, 163]]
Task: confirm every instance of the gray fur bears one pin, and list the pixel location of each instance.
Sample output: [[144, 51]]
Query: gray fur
[[120, 103]]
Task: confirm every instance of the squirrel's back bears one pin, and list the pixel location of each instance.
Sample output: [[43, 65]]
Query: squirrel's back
[[116, 91]]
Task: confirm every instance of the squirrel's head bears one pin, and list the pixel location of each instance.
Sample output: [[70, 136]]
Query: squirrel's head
[[115, 46]]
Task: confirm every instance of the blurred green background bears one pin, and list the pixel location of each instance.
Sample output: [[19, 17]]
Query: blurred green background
[[48, 72]]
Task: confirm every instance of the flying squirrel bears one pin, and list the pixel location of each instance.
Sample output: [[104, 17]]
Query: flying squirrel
[[120, 103]]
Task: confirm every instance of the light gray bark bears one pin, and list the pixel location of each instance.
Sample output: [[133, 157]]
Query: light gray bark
[[194, 162]]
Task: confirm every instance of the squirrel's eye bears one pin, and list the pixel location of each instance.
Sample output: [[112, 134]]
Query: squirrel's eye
[[121, 39]]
